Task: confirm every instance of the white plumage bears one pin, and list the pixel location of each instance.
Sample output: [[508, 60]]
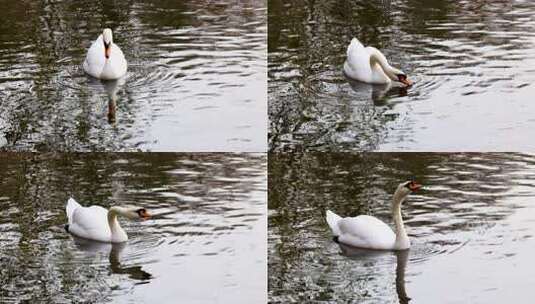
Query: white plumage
[[368, 64], [97, 223], [369, 232], [105, 60], [363, 231]]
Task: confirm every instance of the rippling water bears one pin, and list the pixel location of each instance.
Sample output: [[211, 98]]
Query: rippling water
[[471, 228], [196, 76], [206, 242], [473, 64]]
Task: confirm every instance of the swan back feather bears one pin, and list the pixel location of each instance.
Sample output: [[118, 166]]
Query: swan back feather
[[366, 231]]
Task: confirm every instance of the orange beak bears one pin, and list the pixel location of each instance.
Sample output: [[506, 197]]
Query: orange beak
[[145, 215], [414, 186], [406, 82], [107, 52]]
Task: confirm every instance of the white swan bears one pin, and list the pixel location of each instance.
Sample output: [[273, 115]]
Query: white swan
[[368, 64], [97, 223], [366, 231], [105, 60]]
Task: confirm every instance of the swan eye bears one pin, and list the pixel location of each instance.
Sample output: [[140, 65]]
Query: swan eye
[[141, 212]]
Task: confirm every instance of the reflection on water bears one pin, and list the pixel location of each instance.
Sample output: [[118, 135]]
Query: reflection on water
[[472, 64], [111, 88], [471, 228], [195, 81], [206, 242], [114, 251], [402, 257]]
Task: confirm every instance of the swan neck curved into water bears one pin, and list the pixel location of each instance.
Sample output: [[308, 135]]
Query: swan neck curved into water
[[377, 58], [402, 239]]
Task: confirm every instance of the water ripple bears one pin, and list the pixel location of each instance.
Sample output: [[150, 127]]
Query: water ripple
[[463, 59], [474, 209], [185, 60], [208, 214]]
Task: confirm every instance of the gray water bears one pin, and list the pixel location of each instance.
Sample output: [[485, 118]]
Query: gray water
[[206, 241], [471, 228], [195, 82], [472, 63]]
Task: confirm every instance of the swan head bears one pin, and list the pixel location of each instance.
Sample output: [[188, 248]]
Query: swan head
[[107, 39], [134, 213], [403, 79], [399, 76], [142, 213], [406, 188]]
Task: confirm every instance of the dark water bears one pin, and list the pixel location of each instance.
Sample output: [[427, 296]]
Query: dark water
[[196, 76], [472, 61], [206, 242], [471, 228]]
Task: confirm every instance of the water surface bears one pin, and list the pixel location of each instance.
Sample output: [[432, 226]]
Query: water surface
[[196, 76], [472, 63], [206, 242], [472, 228]]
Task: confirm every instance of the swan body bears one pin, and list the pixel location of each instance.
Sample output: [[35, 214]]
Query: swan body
[[105, 60], [98, 224], [366, 231], [368, 64]]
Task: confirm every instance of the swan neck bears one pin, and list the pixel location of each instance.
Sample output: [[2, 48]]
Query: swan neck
[[402, 239], [376, 57], [398, 220], [112, 219]]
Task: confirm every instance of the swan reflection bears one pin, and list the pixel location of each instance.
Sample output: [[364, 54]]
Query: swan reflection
[[380, 93], [114, 250], [402, 257], [111, 87]]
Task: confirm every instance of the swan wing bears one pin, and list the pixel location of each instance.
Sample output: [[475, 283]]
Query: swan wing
[[91, 223], [95, 60], [115, 67], [377, 53], [357, 64], [117, 59], [366, 232]]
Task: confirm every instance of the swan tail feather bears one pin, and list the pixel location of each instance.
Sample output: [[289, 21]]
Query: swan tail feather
[[71, 206], [332, 220]]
